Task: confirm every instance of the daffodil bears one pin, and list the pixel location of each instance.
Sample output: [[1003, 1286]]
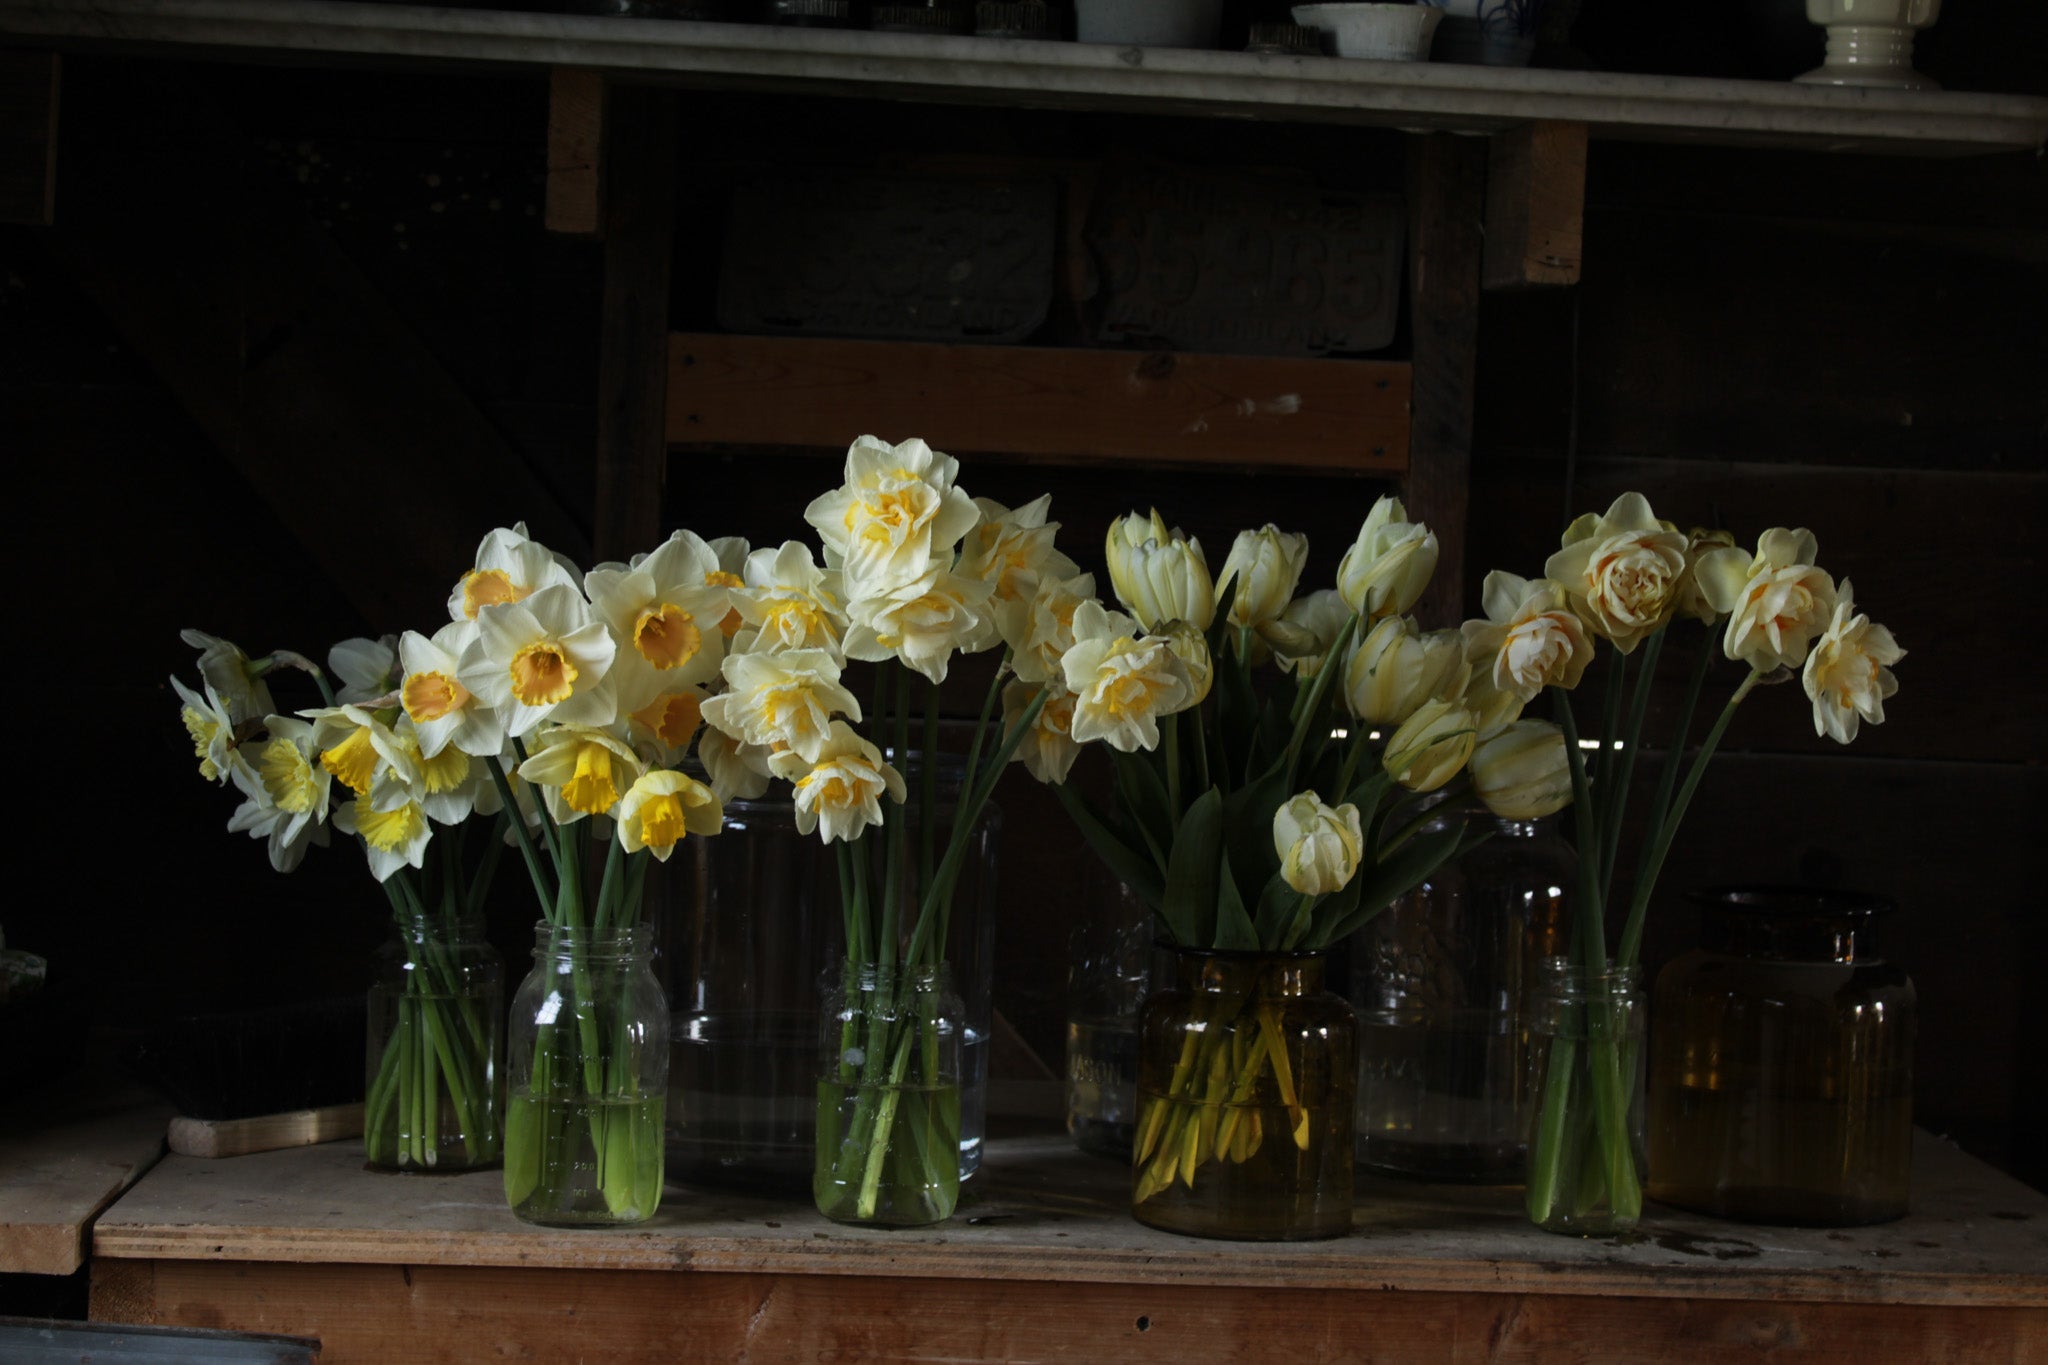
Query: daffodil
[[1389, 564], [923, 622], [287, 803], [663, 609], [1320, 847], [236, 679], [431, 693], [664, 807], [1848, 673], [897, 515], [1776, 600], [667, 720], [543, 658], [212, 729], [392, 825], [1122, 682], [1048, 749], [1051, 632], [1160, 575], [1265, 565], [366, 669], [510, 567], [581, 770], [287, 837], [1692, 602], [356, 747], [1530, 639], [839, 794], [782, 700], [450, 786], [789, 602], [738, 771], [1012, 551], [1623, 570], [732, 554]]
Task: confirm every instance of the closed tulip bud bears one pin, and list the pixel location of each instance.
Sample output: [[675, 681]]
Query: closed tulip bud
[[1191, 647], [1397, 668], [1319, 847], [1432, 746], [1523, 772], [1265, 564], [1388, 566], [1158, 574]]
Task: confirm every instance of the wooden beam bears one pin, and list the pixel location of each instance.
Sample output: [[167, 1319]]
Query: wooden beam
[[632, 378], [1446, 177], [1535, 205], [1329, 416], [28, 137], [575, 192]]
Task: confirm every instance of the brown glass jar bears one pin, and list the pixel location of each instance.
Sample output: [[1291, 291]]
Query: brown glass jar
[[1781, 1086]]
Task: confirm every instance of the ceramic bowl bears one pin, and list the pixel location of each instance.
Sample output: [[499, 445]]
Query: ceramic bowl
[[1381, 32]]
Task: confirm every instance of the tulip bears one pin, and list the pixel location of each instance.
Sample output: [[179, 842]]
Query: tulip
[[1523, 772], [1432, 746], [1159, 575], [1396, 669], [1265, 564], [1388, 566], [1319, 847]]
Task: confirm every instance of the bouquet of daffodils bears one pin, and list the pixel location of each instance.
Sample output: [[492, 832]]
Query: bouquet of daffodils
[[554, 705]]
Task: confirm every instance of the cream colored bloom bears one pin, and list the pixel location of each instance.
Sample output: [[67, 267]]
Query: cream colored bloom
[[663, 610], [228, 671], [1388, 566], [1692, 601], [1623, 570], [581, 770], [1776, 600], [543, 658], [789, 602], [896, 517], [1266, 565], [1531, 639], [1432, 746], [782, 700], [732, 553], [1523, 772], [664, 807], [1122, 684], [1051, 632], [1012, 551], [1848, 673], [1492, 709], [839, 794], [1191, 647], [1397, 668], [738, 772], [450, 786], [431, 692], [1305, 632], [923, 622], [287, 837], [666, 722], [1319, 846], [356, 748], [393, 828], [1159, 575], [1047, 750], [367, 669], [510, 567], [206, 719], [287, 805]]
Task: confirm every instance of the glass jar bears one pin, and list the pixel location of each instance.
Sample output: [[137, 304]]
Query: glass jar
[[436, 1014], [1584, 1172], [889, 1100], [1440, 979], [1782, 1081], [1246, 1075], [587, 1075], [1108, 977]]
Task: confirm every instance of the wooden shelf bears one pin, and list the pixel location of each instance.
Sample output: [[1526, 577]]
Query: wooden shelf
[[1059, 75], [65, 1153]]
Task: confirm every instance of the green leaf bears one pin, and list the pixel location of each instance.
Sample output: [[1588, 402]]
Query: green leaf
[[1277, 904], [1143, 794], [1133, 867], [1189, 906], [1397, 875], [1235, 931], [1248, 822]]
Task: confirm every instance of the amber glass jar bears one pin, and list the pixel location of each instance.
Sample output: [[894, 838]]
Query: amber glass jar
[[1782, 1074]]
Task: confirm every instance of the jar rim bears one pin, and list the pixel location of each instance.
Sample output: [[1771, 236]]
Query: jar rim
[[1241, 954], [1791, 900]]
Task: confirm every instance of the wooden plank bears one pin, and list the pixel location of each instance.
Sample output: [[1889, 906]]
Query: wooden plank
[[434, 1312], [1330, 416], [29, 84], [1049, 1212], [1446, 180], [1535, 205], [632, 387], [575, 193], [65, 1154]]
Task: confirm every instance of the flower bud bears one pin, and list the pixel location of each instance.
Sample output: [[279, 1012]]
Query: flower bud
[[1388, 566], [1265, 564], [1523, 772], [1305, 632], [1319, 847], [1432, 746], [1396, 669], [1191, 647], [1160, 575]]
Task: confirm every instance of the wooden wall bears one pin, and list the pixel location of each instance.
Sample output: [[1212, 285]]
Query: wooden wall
[[1855, 345]]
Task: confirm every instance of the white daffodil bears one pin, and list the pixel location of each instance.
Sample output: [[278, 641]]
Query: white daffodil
[[840, 793], [1305, 632], [1523, 773], [1776, 600], [392, 826], [784, 700], [356, 748], [666, 721], [1012, 551], [543, 658], [738, 772], [450, 786], [580, 770], [1265, 565], [1691, 600], [1848, 673], [1531, 638], [1160, 575], [923, 622], [1623, 570], [1122, 683], [1397, 668], [732, 555], [292, 779], [1047, 750], [1320, 846], [510, 567], [431, 692], [663, 609], [366, 669], [789, 602], [1388, 566], [897, 516], [228, 671], [664, 807], [287, 836], [212, 728], [1051, 631]]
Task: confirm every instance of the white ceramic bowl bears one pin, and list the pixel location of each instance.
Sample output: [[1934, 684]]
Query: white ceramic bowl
[[1381, 32]]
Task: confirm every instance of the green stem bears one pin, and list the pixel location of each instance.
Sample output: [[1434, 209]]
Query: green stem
[[1590, 935], [1631, 741], [928, 799], [522, 836], [1169, 740]]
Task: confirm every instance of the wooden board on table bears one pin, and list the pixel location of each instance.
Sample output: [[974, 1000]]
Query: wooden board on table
[[65, 1154], [1329, 416]]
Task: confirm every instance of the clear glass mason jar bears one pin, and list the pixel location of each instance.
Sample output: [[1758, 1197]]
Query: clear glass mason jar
[[1246, 1076], [1781, 1087], [1109, 975], [889, 1097], [587, 1077], [1584, 1172], [1440, 980], [436, 1011]]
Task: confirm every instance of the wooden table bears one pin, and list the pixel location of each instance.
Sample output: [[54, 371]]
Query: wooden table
[[1045, 1263], [66, 1152]]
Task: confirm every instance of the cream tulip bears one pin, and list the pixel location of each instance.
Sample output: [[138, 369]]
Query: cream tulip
[[1396, 668], [1432, 746], [1523, 773], [1265, 565], [1320, 847], [1388, 566], [1158, 574]]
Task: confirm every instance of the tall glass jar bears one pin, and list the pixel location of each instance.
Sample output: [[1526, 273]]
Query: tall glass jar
[[1440, 979], [587, 1076], [436, 1014], [1108, 977], [1246, 1076], [1782, 1080], [888, 1096], [1584, 1172]]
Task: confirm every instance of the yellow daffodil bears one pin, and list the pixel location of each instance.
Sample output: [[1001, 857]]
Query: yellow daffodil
[[1122, 682], [1523, 773], [1012, 551], [356, 747], [897, 515], [1388, 566], [840, 793], [1623, 570], [392, 825], [450, 786], [1047, 750], [662, 808], [782, 700], [580, 769], [1531, 638], [1776, 600], [543, 658], [431, 693], [1848, 673], [788, 602], [208, 722], [510, 567], [923, 622], [1158, 574], [1320, 846]]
